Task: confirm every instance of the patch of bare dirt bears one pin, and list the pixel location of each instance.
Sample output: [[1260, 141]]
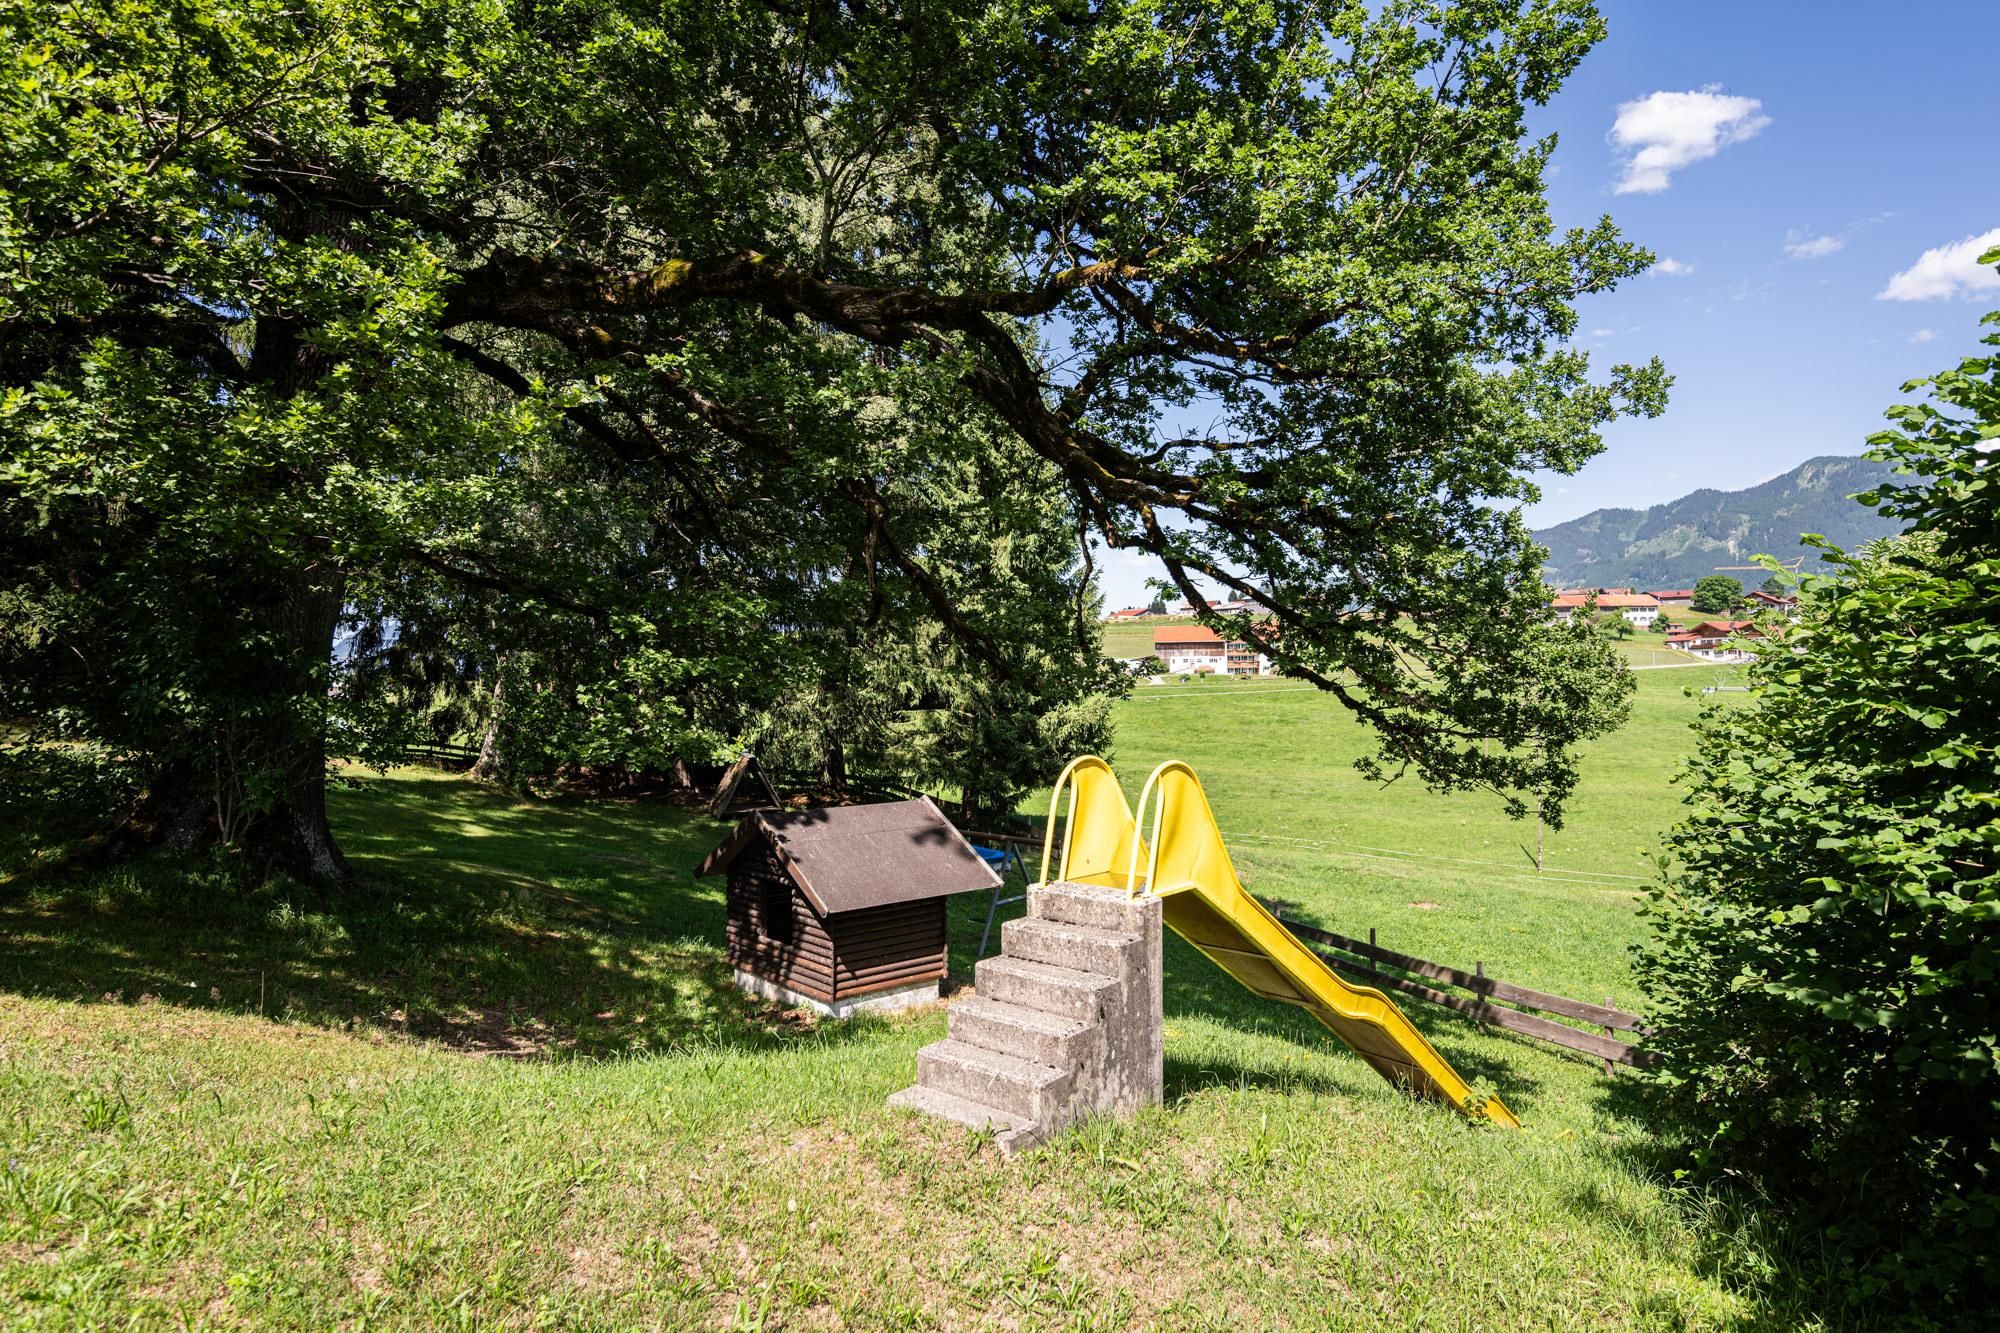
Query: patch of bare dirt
[[21, 1252], [482, 1032]]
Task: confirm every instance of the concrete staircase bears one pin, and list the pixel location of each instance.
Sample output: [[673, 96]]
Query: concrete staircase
[[1064, 1023]]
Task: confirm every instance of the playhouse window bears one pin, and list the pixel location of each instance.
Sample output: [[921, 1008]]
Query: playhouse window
[[774, 911]]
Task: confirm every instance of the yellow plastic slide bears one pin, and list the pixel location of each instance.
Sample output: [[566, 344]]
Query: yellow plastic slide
[[1186, 864]]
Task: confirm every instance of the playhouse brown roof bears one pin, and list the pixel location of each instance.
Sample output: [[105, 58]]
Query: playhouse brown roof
[[850, 857]]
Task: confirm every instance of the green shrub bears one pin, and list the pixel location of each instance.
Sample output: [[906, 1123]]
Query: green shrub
[[1826, 964]]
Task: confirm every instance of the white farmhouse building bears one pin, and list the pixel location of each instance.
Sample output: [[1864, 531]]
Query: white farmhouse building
[[1642, 609], [1192, 649]]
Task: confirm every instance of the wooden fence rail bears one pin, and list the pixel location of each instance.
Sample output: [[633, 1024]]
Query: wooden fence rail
[[1484, 990], [443, 755]]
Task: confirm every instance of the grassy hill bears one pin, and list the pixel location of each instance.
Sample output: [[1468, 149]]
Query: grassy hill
[[1128, 639], [1671, 545], [507, 1084]]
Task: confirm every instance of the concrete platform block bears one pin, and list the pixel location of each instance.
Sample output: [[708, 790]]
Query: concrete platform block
[[1022, 1088], [1053, 990], [1011, 1133], [1012, 1029], [1066, 1023], [1093, 949], [875, 1002]]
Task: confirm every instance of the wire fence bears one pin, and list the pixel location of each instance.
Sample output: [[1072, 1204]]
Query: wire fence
[[1370, 853]]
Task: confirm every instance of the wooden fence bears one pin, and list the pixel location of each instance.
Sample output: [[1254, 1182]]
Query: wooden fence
[[1485, 999], [442, 755]]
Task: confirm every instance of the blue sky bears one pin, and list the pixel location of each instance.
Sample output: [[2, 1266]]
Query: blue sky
[[1795, 162]]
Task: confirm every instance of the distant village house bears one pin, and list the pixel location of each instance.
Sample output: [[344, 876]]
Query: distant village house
[[1246, 606], [1642, 609], [1764, 601], [1194, 649], [1717, 640]]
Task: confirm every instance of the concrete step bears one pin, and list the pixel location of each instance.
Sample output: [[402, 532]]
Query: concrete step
[[1013, 1029], [1010, 1132], [1104, 953], [1083, 905], [1052, 990], [1025, 1089]]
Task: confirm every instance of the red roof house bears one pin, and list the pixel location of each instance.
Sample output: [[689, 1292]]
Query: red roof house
[[1711, 638], [1186, 638], [1638, 607]]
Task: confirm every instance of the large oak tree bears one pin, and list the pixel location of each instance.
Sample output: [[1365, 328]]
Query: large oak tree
[[294, 296]]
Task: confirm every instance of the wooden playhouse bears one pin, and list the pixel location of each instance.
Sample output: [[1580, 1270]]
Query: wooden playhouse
[[843, 909]]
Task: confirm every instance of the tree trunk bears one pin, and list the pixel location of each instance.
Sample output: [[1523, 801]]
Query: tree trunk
[[487, 767], [257, 784], [833, 766]]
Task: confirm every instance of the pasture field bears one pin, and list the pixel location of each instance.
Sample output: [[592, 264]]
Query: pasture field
[[1128, 640], [506, 1083], [1136, 640], [1447, 877]]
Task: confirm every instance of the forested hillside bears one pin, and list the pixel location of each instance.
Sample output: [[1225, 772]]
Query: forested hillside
[[1673, 544]]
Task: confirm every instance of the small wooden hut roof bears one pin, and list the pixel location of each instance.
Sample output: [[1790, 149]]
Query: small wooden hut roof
[[850, 857], [744, 786]]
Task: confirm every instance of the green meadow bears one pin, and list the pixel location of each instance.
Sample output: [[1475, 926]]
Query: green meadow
[[1134, 640], [507, 1084]]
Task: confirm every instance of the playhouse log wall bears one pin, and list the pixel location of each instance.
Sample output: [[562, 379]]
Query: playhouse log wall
[[774, 932]]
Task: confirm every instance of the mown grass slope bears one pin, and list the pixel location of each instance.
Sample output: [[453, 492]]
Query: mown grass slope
[[508, 1085]]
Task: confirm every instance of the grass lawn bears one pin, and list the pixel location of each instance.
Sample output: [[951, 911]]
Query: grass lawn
[[508, 1085]]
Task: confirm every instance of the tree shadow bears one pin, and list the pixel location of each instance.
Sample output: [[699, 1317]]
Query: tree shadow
[[1782, 1264], [500, 926]]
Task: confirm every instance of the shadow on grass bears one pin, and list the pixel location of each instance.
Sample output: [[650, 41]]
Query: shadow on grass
[[497, 925], [1779, 1261]]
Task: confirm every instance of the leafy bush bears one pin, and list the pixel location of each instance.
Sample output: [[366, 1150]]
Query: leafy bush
[[1828, 940]]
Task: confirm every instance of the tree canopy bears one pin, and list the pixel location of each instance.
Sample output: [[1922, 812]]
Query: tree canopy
[[1716, 594], [648, 329]]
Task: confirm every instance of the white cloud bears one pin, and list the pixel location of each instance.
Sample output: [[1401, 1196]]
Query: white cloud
[[1805, 245], [1663, 132], [1924, 336], [1945, 271], [1602, 333], [1671, 268]]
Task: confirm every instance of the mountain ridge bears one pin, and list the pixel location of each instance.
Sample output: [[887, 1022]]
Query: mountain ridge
[[1675, 543]]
